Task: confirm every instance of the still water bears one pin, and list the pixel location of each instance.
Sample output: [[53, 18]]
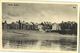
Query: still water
[[39, 40], [49, 44]]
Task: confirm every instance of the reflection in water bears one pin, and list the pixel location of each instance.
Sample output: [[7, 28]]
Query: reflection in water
[[67, 44], [63, 44], [38, 40]]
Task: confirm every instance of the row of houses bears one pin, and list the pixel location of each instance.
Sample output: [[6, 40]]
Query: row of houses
[[30, 26], [44, 26]]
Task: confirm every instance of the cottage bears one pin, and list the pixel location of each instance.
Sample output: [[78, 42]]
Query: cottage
[[56, 27], [40, 27]]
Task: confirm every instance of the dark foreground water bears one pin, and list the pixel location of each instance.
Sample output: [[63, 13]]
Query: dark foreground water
[[40, 40]]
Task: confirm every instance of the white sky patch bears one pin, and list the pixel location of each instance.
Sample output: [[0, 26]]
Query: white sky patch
[[30, 12]]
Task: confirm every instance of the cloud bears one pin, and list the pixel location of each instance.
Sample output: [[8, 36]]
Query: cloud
[[40, 12]]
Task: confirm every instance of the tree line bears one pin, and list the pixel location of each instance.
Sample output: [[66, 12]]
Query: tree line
[[63, 27]]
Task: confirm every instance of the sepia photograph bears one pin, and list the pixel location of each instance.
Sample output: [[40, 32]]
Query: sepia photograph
[[39, 26]]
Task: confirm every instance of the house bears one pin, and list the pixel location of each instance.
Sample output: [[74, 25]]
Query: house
[[40, 27], [55, 27]]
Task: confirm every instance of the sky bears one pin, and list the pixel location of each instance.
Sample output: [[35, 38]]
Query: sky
[[39, 12]]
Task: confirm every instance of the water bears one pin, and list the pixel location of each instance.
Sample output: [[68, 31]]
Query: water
[[41, 44], [40, 40]]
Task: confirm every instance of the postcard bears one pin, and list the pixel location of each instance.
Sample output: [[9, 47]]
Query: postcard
[[40, 26]]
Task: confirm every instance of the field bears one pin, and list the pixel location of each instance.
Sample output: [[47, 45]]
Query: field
[[36, 39]]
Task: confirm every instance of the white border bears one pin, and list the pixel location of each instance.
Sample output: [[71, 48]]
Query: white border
[[17, 1]]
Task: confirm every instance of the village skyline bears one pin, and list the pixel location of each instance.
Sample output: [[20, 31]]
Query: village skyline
[[69, 27]]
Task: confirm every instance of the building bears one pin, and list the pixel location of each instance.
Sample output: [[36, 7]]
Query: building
[[55, 27], [40, 28]]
